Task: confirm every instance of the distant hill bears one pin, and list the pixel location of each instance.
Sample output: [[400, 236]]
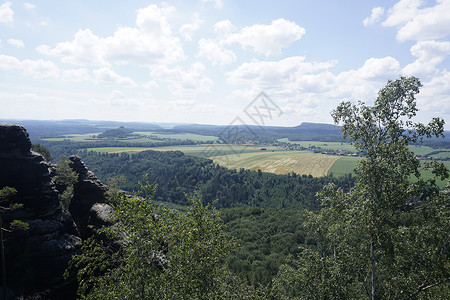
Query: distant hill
[[120, 132], [306, 131]]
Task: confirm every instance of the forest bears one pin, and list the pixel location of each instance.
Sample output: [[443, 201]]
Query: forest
[[192, 229]]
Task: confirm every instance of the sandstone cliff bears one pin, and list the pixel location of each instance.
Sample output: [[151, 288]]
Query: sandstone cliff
[[36, 258]]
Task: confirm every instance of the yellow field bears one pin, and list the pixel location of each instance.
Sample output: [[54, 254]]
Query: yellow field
[[279, 162]]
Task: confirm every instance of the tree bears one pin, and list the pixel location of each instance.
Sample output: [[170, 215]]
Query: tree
[[154, 253], [387, 238], [65, 179], [43, 151]]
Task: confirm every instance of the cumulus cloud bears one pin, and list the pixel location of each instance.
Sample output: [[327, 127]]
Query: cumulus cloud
[[272, 73], [16, 43], [377, 13], [6, 13], [267, 39], [40, 69], [420, 23], [151, 41], [363, 83], [187, 30], [215, 53], [184, 83], [307, 87], [76, 75], [9, 62], [29, 6], [435, 93], [108, 76], [224, 27], [429, 55]]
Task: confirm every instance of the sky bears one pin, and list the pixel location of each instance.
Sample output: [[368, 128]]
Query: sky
[[207, 61]]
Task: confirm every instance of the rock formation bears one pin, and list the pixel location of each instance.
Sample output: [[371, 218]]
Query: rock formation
[[35, 258], [88, 205]]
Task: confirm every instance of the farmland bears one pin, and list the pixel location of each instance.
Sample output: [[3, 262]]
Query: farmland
[[283, 162], [272, 159]]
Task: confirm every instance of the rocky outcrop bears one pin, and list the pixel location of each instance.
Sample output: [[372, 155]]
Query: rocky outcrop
[[35, 258], [88, 205]]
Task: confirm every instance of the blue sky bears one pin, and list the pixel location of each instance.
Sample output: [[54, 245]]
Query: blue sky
[[204, 61]]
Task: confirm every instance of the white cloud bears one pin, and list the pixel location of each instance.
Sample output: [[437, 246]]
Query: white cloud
[[217, 3], [6, 13], [40, 69], [224, 27], [9, 62], [16, 43], [363, 83], [184, 83], [214, 53], [308, 88], [151, 85], [377, 13], [108, 76], [380, 68], [29, 6], [76, 75], [273, 73], [429, 55], [268, 39], [187, 30], [148, 43], [435, 94], [417, 23]]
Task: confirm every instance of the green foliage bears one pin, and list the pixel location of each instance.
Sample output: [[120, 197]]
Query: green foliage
[[7, 192], [176, 175], [267, 237], [386, 238], [19, 225], [65, 179], [43, 151], [120, 132], [154, 253]]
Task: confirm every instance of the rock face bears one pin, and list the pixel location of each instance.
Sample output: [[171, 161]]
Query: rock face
[[88, 205], [35, 258]]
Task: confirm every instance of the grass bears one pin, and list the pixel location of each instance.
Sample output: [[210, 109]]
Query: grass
[[87, 137], [344, 165]]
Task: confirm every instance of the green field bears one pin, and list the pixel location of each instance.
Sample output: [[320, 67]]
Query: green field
[[138, 137], [344, 165], [180, 136], [87, 137]]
